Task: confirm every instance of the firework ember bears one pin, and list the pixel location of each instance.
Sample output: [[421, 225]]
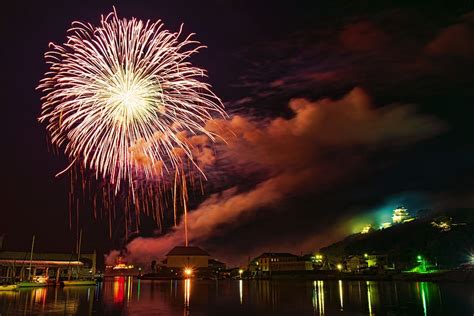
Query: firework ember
[[123, 101]]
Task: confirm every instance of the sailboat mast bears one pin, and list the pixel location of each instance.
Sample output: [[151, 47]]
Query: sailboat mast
[[79, 246], [31, 256]]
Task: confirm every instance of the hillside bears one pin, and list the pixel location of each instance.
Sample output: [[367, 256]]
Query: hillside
[[449, 244]]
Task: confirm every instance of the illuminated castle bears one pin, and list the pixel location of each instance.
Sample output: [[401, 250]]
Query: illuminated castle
[[401, 215]]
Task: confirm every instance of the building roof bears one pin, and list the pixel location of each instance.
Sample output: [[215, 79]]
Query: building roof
[[22, 258], [215, 261], [47, 263], [187, 251], [43, 259], [277, 254], [25, 256]]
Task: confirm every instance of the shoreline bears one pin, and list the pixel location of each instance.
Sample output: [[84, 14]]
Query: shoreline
[[441, 276]]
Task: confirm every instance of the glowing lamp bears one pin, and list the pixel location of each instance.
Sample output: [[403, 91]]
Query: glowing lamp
[[188, 272]]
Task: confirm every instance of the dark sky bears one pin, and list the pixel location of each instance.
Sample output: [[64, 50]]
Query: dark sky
[[259, 57]]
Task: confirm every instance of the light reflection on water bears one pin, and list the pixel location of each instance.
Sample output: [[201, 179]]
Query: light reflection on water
[[125, 295], [241, 291], [341, 295], [187, 294], [369, 297], [318, 297]]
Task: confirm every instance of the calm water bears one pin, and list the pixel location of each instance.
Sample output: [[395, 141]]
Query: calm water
[[127, 296]]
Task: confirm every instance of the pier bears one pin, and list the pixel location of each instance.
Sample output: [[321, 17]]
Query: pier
[[54, 267]]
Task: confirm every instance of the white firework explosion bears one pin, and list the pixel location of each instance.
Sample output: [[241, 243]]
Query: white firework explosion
[[123, 99]]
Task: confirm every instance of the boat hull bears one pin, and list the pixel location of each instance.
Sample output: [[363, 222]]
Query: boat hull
[[31, 284], [10, 287], [79, 282]]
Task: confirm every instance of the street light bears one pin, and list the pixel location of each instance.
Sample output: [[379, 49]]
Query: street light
[[339, 266], [240, 273], [188, 272], [422, 262]]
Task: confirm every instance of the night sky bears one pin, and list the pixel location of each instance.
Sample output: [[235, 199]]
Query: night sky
[[343, 109]]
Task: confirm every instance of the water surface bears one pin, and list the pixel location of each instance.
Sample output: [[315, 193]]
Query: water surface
[[128, 296]]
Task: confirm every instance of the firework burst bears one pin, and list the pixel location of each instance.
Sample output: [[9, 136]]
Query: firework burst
[[123, 101]]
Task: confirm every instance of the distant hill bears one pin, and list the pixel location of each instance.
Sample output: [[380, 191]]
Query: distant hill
[[449, 244]]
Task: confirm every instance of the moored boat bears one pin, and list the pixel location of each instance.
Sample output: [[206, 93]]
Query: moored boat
[[33, 281], [78, 282], [31, 284], [8, 287]]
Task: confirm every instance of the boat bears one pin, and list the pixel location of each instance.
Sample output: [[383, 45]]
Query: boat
[[121, 268], [31, 284], [78, 282], [8, 287], [33, 280]]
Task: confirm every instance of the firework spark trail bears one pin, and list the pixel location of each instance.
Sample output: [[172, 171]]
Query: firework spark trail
[[122, 100]]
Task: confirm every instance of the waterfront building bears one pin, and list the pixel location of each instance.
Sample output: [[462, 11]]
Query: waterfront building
[[277, 261], [180, 257], [299, 265], [216, 265], [377, 261], [268, 259], [356, 263]]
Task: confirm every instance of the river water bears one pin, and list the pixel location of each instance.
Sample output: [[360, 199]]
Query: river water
[[128, 296]]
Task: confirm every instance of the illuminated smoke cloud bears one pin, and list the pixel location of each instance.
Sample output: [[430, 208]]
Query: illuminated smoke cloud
[[293, 152]]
